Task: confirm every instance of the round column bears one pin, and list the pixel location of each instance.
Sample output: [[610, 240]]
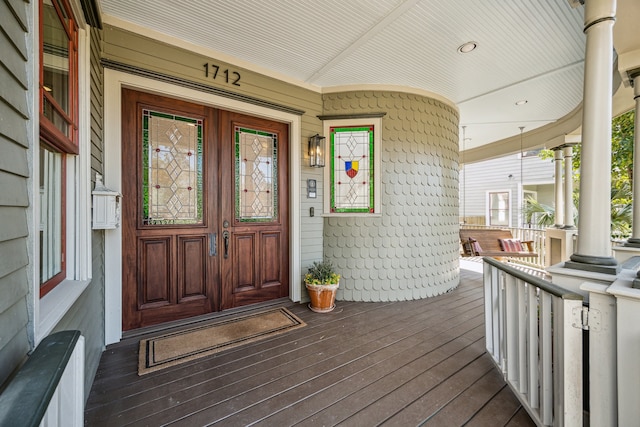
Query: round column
[[594, 236], [568, 187], [559, 215]]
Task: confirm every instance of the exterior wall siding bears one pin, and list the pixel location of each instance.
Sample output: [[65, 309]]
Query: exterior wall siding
[[124, 47], [14, 176], [494, 175], [87, 314], [411, 250]]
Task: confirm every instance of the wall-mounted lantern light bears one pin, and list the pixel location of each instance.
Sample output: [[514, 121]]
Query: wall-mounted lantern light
[[316, 151], [106, 206]]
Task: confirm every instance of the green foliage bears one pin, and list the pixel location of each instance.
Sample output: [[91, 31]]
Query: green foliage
[[621, 209], [544, 215], [622, 141], [321, 273]]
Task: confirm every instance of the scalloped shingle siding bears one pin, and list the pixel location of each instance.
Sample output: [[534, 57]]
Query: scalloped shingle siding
[[410, 252]]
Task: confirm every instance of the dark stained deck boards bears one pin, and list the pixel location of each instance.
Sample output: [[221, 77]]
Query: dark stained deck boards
[[393, 363]]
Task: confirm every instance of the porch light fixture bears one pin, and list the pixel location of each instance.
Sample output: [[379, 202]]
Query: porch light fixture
[[467, 47], [316, 151]]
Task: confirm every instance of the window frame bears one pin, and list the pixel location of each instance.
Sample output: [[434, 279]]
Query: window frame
[[48, 131], [50, 137], [376, 124], [507, 210], [50, 309]]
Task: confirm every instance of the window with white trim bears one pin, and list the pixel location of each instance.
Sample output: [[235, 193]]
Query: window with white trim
[[352, 174], [58, 90], [62, 163], [499, 210]]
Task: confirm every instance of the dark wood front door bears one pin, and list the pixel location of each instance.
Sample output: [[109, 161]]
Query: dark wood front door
[[205, 209]]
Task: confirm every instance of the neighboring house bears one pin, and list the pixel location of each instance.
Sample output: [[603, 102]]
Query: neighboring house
[[492, 192]]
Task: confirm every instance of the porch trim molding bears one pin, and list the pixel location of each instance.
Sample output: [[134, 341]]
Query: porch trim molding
[[352, 116], [107, 63], [114, 81]]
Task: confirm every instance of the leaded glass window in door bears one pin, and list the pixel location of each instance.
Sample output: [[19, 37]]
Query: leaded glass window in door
[[256, 175], [172, 169]]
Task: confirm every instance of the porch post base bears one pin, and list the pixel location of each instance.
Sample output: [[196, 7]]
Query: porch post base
[[632, 242], [596, 264]]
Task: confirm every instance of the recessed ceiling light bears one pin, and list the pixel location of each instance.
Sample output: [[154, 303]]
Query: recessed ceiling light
[[521, 102], [467, 47]]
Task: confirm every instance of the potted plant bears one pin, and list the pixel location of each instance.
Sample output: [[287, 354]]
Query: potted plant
[[322, 283]]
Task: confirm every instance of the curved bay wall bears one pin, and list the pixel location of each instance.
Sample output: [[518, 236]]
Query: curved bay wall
[[411, 250]]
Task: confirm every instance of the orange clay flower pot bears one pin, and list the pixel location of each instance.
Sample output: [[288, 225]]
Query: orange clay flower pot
[[323, 297]]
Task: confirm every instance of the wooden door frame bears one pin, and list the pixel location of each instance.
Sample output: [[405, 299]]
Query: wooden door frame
[[114, 81]]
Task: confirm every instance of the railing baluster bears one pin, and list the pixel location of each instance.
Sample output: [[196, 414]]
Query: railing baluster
[[488, 273], [546, 379], [501, 312], [511, 326], [570, 356], [523, 366], [533, 359]]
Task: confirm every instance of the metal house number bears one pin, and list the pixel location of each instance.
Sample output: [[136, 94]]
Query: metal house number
[[232, 77]]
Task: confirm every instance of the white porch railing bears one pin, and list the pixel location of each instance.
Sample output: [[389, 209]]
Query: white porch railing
[[534, 335], [537, 235]]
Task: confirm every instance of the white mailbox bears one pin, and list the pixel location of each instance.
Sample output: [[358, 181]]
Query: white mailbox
[[106, 206]]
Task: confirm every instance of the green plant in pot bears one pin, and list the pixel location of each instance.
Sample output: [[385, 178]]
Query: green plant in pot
[[322, 283]]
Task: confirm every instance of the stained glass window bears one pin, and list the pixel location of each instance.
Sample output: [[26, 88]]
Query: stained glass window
[[256, 175], [352, 169], [172, 169]]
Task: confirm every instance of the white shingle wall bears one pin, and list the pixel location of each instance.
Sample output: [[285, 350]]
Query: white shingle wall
[[411, 251]]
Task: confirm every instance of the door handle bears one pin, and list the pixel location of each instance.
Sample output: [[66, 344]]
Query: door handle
[[213, 244], [225, 236]]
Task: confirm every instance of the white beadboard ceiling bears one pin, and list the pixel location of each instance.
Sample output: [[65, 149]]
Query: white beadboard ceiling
[[527, 50]]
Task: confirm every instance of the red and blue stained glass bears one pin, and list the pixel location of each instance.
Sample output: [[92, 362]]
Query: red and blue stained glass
[[352, 169]]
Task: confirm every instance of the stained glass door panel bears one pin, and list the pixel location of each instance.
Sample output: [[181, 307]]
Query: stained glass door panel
[[256, 160], [172, 169]]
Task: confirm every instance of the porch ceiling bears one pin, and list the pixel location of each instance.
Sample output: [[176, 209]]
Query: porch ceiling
[[531, 51]]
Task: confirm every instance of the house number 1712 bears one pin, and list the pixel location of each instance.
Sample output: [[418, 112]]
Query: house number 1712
[[232, 77]]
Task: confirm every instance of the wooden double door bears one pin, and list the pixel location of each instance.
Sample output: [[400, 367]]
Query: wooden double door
[[204, 211]]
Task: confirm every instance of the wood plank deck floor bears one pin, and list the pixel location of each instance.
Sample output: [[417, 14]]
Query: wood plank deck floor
[[364, 364]]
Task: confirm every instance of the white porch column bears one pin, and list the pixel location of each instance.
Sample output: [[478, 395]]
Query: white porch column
[[594, 240], [634, 240], [568, 187], [557, 158]]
